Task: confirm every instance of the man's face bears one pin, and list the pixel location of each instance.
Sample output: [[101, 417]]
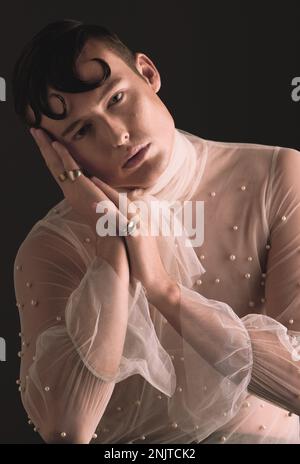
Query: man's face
[[127, 115]]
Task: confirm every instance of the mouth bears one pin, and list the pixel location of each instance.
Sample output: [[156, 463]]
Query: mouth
[[137, 158]]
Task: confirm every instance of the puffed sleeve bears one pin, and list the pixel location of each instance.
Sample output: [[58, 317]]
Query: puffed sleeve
[[63, 399], [80, 335], [275, 336]]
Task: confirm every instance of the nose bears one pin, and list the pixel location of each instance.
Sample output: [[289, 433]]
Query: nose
[[119, 135]]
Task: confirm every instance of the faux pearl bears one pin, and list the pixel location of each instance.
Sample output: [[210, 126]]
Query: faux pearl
[[95, 435], [232, 257], [283, 218], [35, 429], [87, 240], [290, 414], [224, 414], [243, 187], [202, 257], [250, 258], [199, 282], [262, 427], [56, 211], [212, 194], [268, 247], [217, 280], [181, 358], [20, 334], [119, 408], [19, 267], [28, 284], [247, 404], [18, 381], [63, 434], [262, 300], [58, 318], [159, 397], [33, 358], [223, 439], [29, 422], [196, 427], [20, 354], [262, 405], [143, 437], [247, 276], [47, 388], [34, 302], [251, 303], [179, 389], [174, 425], [137, 403], [235, 227], [172, 356], [263, 275], [291, 321]]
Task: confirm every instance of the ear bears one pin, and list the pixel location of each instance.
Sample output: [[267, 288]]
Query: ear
[[148, 70]]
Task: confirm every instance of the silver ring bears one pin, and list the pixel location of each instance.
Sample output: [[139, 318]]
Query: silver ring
[[130, 227]]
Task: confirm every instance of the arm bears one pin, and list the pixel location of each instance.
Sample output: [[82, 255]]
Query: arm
[[64, 387], [228, 343]]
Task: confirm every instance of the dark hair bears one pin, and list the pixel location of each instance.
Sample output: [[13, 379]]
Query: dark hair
[[49, 60]]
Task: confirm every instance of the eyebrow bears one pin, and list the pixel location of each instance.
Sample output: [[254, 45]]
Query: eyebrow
[[107, 86]]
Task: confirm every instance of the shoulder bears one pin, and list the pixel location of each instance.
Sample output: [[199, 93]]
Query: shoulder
[[288, 159]]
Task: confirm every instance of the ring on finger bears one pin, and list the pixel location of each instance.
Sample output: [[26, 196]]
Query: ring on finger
[[63, 176], [73, 174]]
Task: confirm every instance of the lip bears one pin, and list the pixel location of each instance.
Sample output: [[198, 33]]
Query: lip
[[139, 155]]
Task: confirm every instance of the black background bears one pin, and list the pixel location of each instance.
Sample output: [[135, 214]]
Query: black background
[[226, 70]]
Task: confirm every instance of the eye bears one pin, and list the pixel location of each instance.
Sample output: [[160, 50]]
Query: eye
[[118, 99], [82, 131]]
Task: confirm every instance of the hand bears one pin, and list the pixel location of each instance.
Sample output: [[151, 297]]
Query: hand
[[144, 258], [80, 194]]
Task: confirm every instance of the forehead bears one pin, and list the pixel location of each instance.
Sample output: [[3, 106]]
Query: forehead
[[87, 69]]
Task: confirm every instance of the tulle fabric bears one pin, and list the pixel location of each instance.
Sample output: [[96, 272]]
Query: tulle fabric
[[233, 373]]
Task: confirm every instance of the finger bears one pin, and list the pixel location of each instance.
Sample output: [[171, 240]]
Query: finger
[[50, 156], [122, 203], [65, 156]]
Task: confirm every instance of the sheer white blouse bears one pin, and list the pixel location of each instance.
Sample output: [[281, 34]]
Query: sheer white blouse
[[233, 375]]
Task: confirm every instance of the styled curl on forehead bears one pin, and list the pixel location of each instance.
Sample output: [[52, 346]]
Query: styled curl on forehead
[[49, 60]]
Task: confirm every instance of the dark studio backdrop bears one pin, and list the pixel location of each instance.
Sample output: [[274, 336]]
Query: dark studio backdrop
[[226, 70]]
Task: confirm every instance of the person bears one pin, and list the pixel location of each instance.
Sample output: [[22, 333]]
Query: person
[[141, 338]]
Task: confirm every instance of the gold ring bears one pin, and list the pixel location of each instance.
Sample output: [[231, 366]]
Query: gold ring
[[73, 174], [62, 176]]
